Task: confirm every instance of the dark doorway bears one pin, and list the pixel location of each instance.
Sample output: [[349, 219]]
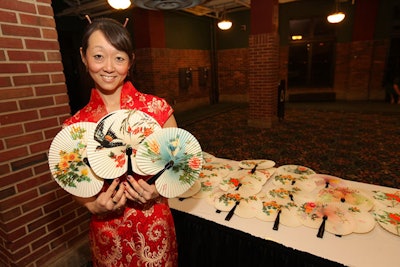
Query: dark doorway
[[311, 53]]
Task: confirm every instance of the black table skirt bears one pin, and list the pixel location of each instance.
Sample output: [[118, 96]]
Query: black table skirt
[[203, 243]]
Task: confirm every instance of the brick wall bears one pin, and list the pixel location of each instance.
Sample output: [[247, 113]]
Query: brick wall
[[38, 220], [157, 73], [359, 70], [233, 71]]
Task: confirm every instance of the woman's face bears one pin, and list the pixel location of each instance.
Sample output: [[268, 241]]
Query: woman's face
[[107, 66]]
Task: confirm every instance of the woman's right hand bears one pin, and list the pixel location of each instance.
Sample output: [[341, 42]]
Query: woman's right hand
[[110, 200]]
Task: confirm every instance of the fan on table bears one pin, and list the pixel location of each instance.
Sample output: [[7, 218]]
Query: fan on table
[[347, 195], [174, 157], [68, 161], [295, 175], [330, 216], [256, 164], [112, 149]]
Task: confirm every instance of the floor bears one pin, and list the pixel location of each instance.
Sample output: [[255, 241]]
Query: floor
[[353, 140], [200, 113]]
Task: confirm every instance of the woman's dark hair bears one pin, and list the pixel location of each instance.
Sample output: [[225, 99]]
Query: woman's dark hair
[[114, 32]]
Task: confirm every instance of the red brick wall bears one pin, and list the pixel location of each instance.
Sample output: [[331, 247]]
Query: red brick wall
[[157, 73], [233, 74], [38, 220], [359, 70]]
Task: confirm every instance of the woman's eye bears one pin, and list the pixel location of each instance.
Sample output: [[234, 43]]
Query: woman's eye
[[98, 57], [120, 59]]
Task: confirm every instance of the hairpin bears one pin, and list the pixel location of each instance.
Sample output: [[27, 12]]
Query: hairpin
[[126, 22], [88, 19]]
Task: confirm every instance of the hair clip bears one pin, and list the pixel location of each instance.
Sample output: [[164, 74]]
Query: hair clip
[[126, 22], [88, 19]]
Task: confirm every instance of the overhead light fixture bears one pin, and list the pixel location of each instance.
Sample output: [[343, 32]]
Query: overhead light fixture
[[223, 23], [337, 16], [119, 4]]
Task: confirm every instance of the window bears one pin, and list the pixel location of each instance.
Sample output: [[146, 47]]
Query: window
[[311, 54]]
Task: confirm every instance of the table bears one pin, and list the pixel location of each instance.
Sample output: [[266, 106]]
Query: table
[[206, 240]]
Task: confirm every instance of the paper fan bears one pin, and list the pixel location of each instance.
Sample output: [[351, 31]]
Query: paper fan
[[325, 180], [242, 181], [346, 195], [68, 161], [174, 156], [387, 198], [209, 183], [248, 207], [292, 179], [194, 189], [389, 219], [297, 169], [331, 217], [278, 207], [295, 175], [226, 201], [256, 164], [365, 221], [269, 210], [116, 137]]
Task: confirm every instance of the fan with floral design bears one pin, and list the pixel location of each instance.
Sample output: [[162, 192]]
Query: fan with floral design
[[348, 195], [387, 199], [330, 216], [389, 219], [256, 164], [325, 180], [68, 161], [112, 149], [297, 175], [174, 157]]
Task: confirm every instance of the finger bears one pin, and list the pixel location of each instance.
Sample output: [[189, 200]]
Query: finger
[[118, 195], [121, 203], [111, 189], [129, 196], [149, 191], [135, 185], [145, 185], [130, 191]]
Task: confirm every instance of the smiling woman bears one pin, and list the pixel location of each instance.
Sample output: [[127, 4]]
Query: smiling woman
[[125, 215]]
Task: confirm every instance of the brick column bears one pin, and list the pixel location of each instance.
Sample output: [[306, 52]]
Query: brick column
[[263, 63], [38, 219], [361, 60]]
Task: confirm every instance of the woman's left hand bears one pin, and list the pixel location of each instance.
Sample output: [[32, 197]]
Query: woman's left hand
[[140, 191]]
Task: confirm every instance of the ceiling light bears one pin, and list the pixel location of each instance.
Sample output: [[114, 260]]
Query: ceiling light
[[225, 24], [336, 17], [119, 4]]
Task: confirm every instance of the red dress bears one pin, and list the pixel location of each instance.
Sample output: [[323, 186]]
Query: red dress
[[140, 235]]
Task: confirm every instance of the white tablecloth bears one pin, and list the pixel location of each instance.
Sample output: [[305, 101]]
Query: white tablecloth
[[376, 248]]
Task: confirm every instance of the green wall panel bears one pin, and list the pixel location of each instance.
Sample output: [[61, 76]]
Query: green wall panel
[[186, 31]]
